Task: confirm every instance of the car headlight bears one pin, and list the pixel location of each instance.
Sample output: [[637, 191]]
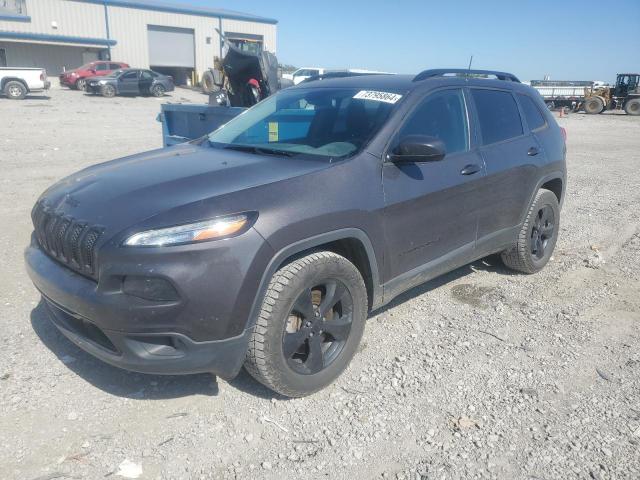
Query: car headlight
[[216, 228]]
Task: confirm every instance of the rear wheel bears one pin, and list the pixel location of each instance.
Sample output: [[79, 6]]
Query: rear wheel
[[593, 105], [108, 91], [15, 90], [632, 107], [158, 90], [538, 235], [310, 324]]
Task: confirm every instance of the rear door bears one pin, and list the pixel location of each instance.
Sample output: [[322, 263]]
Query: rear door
[[128, 83], [101, 69], [511, 154], [430, 208], [145, 82]]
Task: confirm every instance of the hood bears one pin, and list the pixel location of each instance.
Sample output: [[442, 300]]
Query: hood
[[124, 193]]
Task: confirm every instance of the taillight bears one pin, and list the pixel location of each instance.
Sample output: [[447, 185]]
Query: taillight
[[42, 76], [564, 133]]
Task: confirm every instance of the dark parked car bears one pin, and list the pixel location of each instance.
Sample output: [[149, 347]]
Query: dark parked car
[[130, 81], [268, 242], [77, 77]]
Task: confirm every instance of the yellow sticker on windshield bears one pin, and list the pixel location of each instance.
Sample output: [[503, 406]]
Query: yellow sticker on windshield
[[273, 131]]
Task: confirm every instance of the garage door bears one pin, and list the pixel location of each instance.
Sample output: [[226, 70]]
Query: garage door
[[171, 47]]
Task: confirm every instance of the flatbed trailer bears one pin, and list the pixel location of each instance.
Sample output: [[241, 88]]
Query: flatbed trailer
[[569, 94]]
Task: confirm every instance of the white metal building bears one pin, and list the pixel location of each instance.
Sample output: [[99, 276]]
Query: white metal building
[[176, 39]]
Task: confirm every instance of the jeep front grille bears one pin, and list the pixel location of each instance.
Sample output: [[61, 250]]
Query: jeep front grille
[[67, 240]]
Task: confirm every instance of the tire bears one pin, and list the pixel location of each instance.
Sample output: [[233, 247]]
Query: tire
[[81, 83], [632, 107], [298, 345], [537, 237], [15, 90], [108, 91], [593, 106], [158, 90]]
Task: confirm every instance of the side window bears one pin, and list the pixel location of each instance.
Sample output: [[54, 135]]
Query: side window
[[114, 66], [498, 115], [131, 75], [146, 75], [3, 57], [531, 112], [101, 67], [441, 115]]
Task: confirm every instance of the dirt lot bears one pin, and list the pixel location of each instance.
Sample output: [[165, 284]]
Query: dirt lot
[[480, 374]]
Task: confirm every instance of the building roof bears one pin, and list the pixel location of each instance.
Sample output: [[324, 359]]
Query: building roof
[[184, 9]]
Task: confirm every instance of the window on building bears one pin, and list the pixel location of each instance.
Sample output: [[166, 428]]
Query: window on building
[[498, 115], [19, 7], [3, 57], [531, 112], [441, 115]]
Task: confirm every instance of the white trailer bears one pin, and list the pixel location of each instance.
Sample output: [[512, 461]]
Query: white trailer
[[565, 94]]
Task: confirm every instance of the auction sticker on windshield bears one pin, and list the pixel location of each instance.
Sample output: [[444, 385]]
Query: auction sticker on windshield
[[386, 97]]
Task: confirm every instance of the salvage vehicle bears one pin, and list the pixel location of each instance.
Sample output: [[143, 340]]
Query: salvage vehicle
[[130, 81], [242, 78], [77, 77], [268, 241], [17, 82]]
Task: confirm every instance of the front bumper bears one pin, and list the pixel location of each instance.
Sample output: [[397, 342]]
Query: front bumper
[[158, 353], [206, 330]]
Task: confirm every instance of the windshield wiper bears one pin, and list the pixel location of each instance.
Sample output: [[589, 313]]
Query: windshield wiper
[[260, 150]]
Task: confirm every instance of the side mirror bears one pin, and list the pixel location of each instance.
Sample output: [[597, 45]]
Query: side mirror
[[418, 148]]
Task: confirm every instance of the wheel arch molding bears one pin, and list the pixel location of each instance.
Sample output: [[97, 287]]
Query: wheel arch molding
[[338, 241]]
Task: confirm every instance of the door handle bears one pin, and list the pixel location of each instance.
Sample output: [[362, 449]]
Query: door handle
[[470, 169], [533, 151]]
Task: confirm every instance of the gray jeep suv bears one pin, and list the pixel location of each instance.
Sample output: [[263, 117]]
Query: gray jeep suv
[[268, 242]]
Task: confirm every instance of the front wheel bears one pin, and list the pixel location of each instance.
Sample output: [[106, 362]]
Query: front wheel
[[310, 324], [81, 84], [108, 91], [593, 106], [537, 237]]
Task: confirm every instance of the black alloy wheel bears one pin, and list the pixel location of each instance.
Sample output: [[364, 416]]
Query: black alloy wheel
[[317, 327], [542, 231]]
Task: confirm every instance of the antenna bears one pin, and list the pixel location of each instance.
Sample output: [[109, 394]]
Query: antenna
[[470, 62]]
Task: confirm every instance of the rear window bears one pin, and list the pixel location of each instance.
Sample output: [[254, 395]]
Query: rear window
[[498, 115], [531, 112]]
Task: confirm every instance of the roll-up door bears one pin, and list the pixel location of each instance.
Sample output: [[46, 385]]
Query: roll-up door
[[171, 47]]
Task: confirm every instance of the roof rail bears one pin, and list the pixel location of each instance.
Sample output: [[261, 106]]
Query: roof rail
[[338, 75], [463, 72]]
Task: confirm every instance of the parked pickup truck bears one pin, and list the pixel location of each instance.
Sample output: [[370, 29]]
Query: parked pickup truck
[[16, 83]]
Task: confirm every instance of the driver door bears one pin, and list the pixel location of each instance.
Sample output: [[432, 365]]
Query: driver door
[[431, 208], [128, 83]]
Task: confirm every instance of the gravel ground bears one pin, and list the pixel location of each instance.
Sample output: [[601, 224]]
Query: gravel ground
[[479, 374]]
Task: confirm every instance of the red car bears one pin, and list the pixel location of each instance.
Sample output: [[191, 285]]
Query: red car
[[77, 78]]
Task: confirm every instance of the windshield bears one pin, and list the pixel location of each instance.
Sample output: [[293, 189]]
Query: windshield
[[329, 122], [116, 73]]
